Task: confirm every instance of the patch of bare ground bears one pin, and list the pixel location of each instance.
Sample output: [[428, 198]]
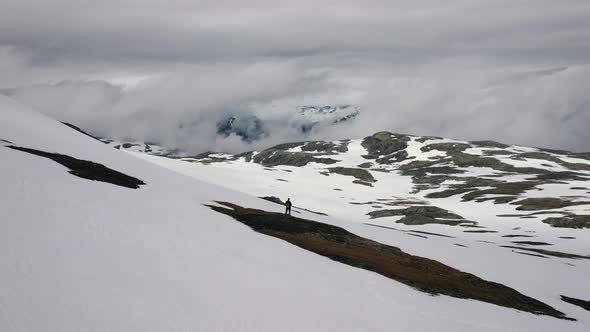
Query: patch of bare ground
[[365, 165], [533, 243], [549, 252], [569, 221], [504, 189], [421, 215], [390, 202], [529, 254], [86, 169], [503, 192], [545, 203], [360, 174], [578, 302], [421, 273], [433, 234]]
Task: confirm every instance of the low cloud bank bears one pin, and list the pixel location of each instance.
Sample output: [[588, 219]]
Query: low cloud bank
[[548, 107]]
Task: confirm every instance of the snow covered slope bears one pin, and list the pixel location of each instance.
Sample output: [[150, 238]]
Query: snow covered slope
[[528, 205], [90, 255]]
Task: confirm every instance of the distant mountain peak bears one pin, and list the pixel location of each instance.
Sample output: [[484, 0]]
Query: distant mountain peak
[[251, 128], [328, 113]]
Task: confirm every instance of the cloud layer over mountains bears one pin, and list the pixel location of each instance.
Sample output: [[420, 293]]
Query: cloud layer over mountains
[[166, 71]]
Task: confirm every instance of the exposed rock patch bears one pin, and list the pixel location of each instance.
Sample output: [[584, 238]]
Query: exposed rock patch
[[578, 302], [384, 144], [82, 131], [273, 157], [533, 243], [420, 215], [273, 199], [210, 157], [571, 221], [365, 165], [529, 254], [358, 173], [87, 169], [545, 203], [433, 234], [421, 273], [129, 145], [427, 138], [448, 147], [549, 252], [393, 158], [557, 160], [503, 188], [462, 159], [490, 144], [325, 147]]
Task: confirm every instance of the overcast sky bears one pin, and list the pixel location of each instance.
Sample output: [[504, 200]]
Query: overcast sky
[[514, 71]]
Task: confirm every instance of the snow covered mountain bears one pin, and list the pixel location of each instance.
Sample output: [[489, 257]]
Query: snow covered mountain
[[251, 128], [328, 114], [94, 238]]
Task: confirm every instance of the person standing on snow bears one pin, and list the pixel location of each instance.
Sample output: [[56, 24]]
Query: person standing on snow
[[288, 206]]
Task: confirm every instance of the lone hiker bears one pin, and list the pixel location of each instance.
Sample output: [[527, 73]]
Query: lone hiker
[[288, 206]]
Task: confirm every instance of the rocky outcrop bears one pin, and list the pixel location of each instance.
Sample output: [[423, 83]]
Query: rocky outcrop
[[545, 203], [571, 221], [490, 144], [358, 173], [383, 144], [325, 147], [448, 147], [421, 215]]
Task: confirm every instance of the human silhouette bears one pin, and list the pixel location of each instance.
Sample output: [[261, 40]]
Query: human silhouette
[[288, 206]]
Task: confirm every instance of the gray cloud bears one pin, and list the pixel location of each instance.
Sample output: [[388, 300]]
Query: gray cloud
[[182, 109], [486, 69]]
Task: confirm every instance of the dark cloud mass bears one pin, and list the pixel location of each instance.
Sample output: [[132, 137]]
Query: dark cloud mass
[[170, 71]]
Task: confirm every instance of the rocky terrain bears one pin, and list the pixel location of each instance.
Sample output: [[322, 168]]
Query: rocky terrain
[[547, 185]]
